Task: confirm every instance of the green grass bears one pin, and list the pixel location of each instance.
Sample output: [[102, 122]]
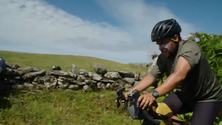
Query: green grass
[[60, 107], [46, 61]]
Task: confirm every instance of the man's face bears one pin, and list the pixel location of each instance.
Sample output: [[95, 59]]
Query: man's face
[[167, 47]]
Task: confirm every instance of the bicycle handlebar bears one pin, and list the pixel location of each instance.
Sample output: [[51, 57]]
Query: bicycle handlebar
[[134, 109]]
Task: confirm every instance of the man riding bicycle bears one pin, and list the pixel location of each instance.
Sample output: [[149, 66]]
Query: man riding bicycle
[[188, 71]]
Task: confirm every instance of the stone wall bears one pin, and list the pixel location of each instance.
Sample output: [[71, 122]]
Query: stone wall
[[34, 79]]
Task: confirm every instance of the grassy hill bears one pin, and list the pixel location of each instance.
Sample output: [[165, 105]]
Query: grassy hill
[[63, 107], [76, 107], [46, 61]]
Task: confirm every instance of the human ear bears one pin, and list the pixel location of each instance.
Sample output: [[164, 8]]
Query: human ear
[[176, 37]]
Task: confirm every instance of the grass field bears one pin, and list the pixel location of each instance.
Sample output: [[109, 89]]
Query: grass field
[[46, 61], [59, 107], [64, 108]]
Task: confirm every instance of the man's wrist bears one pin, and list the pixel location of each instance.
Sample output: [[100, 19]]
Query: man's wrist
[[155, 94]]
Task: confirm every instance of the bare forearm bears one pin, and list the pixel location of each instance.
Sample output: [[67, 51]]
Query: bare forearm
[[169, 84], [144, 83]]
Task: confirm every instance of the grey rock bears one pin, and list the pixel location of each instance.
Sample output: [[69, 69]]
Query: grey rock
[[95, 76], [28, 85], [60, 73], [73, 87], [63, 84], [39, 79], [86, 88], [99, 69], [90, 82], [80, 83], [112, 75], [83, 72], [74, 69], [129, 80], [124, 74], [40, 86], [70, 79], [72, 75], [32, 75], [50, 81], [128, 87], [137, 77], [56, 68], [107, 81], [108, 86], [101, 86], [9, 71], [61, 79], [81, 78], [22, 71], [14, 66]]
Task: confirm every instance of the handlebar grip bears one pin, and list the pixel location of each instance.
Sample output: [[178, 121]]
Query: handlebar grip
[[120, 96]]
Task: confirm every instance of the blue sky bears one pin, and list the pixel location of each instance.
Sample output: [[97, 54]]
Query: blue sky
[[203, 14], [117, 30]]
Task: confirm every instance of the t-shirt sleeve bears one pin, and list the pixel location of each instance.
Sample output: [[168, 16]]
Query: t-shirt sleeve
[[157, 69], [191, 54]]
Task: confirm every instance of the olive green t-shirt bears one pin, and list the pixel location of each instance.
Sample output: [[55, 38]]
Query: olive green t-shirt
[[200, 83]]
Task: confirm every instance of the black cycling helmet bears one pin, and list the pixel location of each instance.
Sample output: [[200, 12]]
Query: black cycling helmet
[[165, 29]]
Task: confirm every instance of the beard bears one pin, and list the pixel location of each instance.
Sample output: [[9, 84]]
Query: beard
[[168, 53], [171, 54]]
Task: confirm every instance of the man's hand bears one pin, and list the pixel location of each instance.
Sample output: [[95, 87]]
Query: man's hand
[[146, 100], [125, 94]]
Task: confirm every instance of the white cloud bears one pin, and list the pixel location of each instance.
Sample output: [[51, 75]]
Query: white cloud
[[36, 26], [139, 17]]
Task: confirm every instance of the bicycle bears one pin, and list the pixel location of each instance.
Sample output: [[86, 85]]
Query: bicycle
[[149, 116]]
